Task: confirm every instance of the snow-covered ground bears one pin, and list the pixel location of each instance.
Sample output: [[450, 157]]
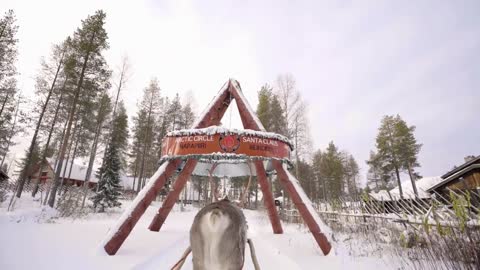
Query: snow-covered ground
[[32, 238]]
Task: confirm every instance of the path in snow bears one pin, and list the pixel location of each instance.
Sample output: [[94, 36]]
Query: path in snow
[[73, 244]]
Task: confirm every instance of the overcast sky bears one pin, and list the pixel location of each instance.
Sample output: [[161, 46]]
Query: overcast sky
[[354, 61]]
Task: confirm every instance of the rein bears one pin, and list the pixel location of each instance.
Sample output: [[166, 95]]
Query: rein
[[180, 262]]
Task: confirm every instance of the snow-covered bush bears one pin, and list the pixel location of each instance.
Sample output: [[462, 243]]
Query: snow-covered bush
[[70, 203]]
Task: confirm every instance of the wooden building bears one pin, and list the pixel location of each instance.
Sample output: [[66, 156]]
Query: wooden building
[[74, 174], [465, 177]]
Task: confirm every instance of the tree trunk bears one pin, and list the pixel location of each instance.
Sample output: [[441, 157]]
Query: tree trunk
[[66, 165], [56, 182], [37, 128], [93, 153], [74, 155], [4, 103], [134, 175], [11, 133], [397, 173], [68, 156], [412, 179], [144, 152], [56, 163], [47, 144], [113, 116]]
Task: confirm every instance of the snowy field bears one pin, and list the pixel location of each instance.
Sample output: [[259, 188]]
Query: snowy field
[[32, 238]]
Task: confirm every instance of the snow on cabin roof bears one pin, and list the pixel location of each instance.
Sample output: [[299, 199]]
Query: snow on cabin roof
[[381, 195], [127, 181], [78, 172], [422, 186]]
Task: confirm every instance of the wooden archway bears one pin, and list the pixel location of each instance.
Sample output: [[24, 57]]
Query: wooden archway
[[211, 117]]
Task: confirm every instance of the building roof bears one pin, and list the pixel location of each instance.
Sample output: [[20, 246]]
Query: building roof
[[422, 184], [461, 167], [456, 175], [79, 171]]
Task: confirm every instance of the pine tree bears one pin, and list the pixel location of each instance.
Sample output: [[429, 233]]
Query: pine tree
[[332, 170], [188, 116], [146, 127], [320, 178], [264, 106], [88, 43], [397, 149], [104, 109], [307, 179], [109, 188], [120, 133], [352, 171], [8, 82], [388, 144], [56, 65], [374, 182], [278, 123], [408, 150], [34, 159], [174, 113]]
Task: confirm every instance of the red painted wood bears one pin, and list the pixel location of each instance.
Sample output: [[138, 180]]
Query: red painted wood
[[321, 239], [172, 196], [117, 240], [212, 117], [268, 198], [248, 120], [216, 112]]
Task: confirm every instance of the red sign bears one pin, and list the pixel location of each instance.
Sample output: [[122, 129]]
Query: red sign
[[221, 143]]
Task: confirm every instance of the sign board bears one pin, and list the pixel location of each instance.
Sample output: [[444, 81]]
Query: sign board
[[225, 143]]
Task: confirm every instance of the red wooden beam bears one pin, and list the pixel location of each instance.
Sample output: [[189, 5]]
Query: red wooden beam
[[246, 115], [250, 122], [216, 109], [268, 198], [301, 204], [138, 208], [172, 196], [213, 116]]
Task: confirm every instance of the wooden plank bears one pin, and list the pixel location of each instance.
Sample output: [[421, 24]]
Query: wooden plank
[[314, 228], [172, 196], [115, 242], [212, 116], [268, 198]]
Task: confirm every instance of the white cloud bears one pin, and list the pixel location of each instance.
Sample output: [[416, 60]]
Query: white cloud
[[353, 62]]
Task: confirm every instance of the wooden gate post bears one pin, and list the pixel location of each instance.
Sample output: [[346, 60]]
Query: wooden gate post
[[172, 196], [303, 205], [268, 198]]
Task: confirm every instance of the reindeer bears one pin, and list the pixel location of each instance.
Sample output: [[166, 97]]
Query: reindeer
[[217, 238]]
